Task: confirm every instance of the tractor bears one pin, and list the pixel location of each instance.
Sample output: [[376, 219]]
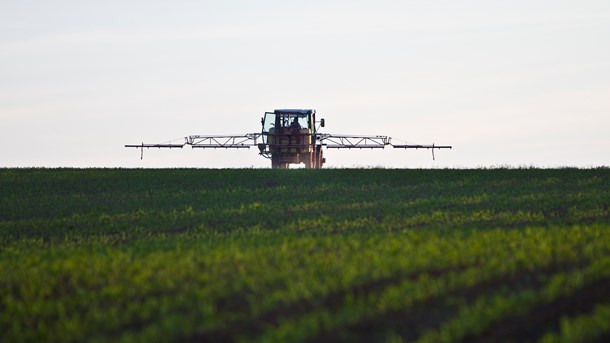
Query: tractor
[[289, 136]]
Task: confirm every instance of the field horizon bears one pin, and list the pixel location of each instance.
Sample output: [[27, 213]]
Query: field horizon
[[487, 167]]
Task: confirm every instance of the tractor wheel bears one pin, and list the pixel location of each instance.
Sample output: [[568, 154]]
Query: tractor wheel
[[319, 157], [322, 159], [275, 162], [309, 161]]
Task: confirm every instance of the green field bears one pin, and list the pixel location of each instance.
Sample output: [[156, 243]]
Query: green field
[[190, 255]]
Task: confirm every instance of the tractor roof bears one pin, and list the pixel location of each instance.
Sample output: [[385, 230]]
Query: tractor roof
[[294, 111]]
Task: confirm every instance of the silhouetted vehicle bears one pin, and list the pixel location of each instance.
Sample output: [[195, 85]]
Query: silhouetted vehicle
[[289, 136]]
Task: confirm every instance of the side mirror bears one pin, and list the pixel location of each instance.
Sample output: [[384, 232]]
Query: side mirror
[[322, 122]]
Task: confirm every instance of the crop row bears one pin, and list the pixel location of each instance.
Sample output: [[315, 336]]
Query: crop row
[[28, 194], [298, 288]]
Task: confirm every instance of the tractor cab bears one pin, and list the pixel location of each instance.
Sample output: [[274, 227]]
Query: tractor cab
[[278, 119]]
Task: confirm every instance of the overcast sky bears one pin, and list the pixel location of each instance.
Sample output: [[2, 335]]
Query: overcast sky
[[516, 83]]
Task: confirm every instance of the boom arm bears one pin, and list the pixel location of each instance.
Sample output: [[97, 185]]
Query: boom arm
[[357, 142], [206, 142], [370, 142], [223, 141]]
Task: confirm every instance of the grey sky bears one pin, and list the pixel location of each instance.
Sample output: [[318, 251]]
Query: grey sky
[[505, 82]]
